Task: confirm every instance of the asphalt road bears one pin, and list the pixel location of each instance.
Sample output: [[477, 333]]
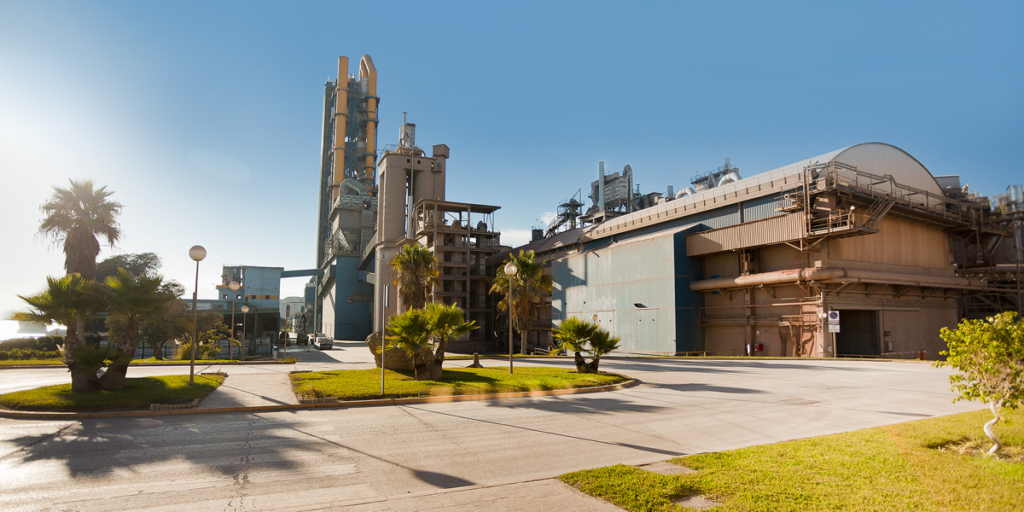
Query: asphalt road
[[310, 459]]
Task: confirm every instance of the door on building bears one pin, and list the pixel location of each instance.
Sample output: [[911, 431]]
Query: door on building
[[858, 334], [647, 330]]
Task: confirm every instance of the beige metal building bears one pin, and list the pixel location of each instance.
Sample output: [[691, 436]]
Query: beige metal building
[[756, 265]]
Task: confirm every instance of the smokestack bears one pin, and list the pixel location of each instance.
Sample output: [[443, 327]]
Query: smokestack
[[628, 172], [600, 186]]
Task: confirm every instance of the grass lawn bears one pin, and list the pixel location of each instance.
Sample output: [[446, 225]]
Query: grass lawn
[[907, 466], [32, 362], [365, 384], [148, 360], [138, 393]]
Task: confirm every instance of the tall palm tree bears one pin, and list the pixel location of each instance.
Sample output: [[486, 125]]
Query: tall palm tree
[[131, 299], [415, 269], [410, 331], [573, 335], [75, 217], [64, 301], [447, 322], [529, 287]]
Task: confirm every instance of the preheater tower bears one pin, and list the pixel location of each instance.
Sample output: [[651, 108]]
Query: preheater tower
[[348, 200], [349, 143]]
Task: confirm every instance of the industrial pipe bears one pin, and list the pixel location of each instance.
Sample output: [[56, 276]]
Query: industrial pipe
[[834, 275], [340, 125], [685, 191], [368, 71]]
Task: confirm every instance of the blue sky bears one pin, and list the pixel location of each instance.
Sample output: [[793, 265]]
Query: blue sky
[[204, 117]]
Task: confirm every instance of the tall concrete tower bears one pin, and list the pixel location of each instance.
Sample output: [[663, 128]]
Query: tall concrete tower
[[348, 200]]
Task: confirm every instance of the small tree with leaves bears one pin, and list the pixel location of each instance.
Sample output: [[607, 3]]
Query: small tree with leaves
[[989, 354]]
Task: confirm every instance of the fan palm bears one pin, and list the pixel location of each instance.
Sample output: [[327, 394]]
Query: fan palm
[[75, 216], [415, 270], [601, 343], [66, 300], [447, 322], [131, 299], [410, 331], [530, 286], [573, 335]]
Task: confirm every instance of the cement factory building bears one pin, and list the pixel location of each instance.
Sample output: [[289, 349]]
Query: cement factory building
[[759, 266], [755, 266]]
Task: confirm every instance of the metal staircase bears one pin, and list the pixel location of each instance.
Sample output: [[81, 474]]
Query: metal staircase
[[881, 206]]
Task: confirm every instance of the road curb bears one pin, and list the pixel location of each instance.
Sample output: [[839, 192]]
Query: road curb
[[291, 407]]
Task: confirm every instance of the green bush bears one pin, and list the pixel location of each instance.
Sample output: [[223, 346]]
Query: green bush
[[41, 343], [26, 353]]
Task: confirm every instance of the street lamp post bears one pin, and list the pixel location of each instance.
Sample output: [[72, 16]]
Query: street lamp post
[[510, 270], [234, 288], [245, 309], [197, 253]]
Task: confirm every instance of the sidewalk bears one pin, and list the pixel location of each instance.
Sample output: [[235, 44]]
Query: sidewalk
[[251, 386]]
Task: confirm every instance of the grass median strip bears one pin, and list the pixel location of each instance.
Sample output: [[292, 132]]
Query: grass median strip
[[907, 466], [138, 393], [365, 384]]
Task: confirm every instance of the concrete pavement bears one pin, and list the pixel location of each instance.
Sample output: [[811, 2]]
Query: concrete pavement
[[451, 455]]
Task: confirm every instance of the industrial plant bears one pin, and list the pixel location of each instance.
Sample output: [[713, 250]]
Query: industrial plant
[[857, 252]]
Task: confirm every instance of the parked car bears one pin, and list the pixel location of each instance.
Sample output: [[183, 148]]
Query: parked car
[[323, 342]]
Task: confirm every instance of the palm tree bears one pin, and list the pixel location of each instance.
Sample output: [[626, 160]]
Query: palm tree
[[580, 336], [574, 334], [75, 216], [529, 287], [65, 301], [601, 343], [131, 299], [415, 269], [447, 322], [410, 331]]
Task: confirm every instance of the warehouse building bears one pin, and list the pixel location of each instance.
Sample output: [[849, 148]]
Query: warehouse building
[[735, 266]]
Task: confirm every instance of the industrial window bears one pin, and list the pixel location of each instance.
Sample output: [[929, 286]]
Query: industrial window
[[225, 297]]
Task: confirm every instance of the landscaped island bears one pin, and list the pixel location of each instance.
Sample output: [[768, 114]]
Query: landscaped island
[[365, 384], [138, 393]]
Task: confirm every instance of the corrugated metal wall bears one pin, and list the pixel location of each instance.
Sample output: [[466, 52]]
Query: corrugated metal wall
[[762, 207], [773, 230], [629, 286], [898, 242]]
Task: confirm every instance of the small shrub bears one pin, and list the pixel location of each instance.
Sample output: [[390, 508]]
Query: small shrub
[[22, 354]]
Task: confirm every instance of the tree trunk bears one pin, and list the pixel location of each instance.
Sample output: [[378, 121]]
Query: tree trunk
[[988, 429], [581, 364], [114, 377], [423, 372], [436, 370], [82, 379], [592, 368]]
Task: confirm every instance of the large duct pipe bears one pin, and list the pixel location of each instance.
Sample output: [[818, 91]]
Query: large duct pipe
[[600, 186], [729, 178], [686, 191], [367, 70], [340, 125], [834, 275]]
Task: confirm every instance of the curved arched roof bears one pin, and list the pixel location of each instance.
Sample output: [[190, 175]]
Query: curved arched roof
[[881, 158], [874, 157]]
